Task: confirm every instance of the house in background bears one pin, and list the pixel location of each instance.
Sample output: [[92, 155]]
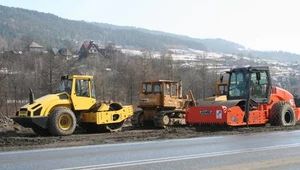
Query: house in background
[[62, 52], [89, 48], [34, 47]]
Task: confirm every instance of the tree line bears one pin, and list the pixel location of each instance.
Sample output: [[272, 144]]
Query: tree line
[[116, 75]]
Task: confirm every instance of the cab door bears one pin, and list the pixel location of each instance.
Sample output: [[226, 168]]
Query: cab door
[[170, 94], [83, 95], [260, 86]]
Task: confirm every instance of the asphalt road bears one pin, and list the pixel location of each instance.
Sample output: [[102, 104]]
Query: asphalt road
[[276, 150]]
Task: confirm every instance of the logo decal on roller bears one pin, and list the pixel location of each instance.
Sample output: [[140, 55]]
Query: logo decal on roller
[[205, 112], [219, 114]]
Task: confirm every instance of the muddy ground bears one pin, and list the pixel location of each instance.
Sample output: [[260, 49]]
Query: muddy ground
[[15, 137]]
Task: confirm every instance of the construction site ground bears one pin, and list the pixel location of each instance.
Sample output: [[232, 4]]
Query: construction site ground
[[15, 137]]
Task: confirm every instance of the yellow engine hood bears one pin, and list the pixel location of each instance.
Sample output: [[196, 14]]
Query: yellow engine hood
[[42, 106]]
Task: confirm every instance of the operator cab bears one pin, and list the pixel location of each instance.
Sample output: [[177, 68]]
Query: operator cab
[[82, 86], [159, 93], [253, 81], [81, 90], [165, 87]]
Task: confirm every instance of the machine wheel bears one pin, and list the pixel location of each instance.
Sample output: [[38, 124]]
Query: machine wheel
[[115, 127], [62, 121], [166, 120], [95, 107], [112, 127], [161, 120], [282, 114], [115, 106], [40, 131], [137, 119]]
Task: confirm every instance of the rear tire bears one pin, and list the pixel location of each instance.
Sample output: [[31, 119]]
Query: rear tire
[[62, 122], [282, 114]]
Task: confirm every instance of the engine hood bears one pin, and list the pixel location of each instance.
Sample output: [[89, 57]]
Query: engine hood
[[45, 103]]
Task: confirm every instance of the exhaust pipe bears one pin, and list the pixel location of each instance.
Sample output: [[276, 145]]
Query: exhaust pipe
[[247, 104], [31, 96], [180, 89]]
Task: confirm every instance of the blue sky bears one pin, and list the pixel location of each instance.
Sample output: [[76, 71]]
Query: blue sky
[[257, 24]]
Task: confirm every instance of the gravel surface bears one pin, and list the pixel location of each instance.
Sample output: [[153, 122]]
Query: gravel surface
[[15, 137]]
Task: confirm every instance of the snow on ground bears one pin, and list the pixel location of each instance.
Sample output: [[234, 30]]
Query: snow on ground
[[131, 52], [277, 68]]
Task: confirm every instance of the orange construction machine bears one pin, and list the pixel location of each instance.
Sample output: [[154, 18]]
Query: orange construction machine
[[251, 100]]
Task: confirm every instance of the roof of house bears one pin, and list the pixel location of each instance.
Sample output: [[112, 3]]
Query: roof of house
[[55, 51], [35, 45], [64, 51], [61, 51], [88, 44]]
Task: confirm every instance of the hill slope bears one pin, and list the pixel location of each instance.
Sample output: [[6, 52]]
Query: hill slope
[[20, 26]]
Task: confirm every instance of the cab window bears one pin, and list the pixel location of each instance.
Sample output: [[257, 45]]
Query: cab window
[[65, 86], [157, 88], [93, 90], [174, 89], [222, 90], [167, 88], [237, 85], [82, 88], [147, 88], [258, 84]]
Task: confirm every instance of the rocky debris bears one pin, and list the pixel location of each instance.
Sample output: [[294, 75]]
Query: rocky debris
[[9, 128], [5, 119]]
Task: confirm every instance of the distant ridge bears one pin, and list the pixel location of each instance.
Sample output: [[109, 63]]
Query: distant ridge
[[21, 26]]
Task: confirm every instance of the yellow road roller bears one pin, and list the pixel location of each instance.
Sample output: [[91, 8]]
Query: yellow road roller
[[59, 114]]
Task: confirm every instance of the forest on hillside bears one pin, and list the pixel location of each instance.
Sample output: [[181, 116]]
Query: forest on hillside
[[19, 27]]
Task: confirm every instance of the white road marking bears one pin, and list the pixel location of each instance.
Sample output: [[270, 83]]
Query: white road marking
[[178, 158]]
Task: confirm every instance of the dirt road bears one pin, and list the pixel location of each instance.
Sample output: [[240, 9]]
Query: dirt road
[[14, 137]]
